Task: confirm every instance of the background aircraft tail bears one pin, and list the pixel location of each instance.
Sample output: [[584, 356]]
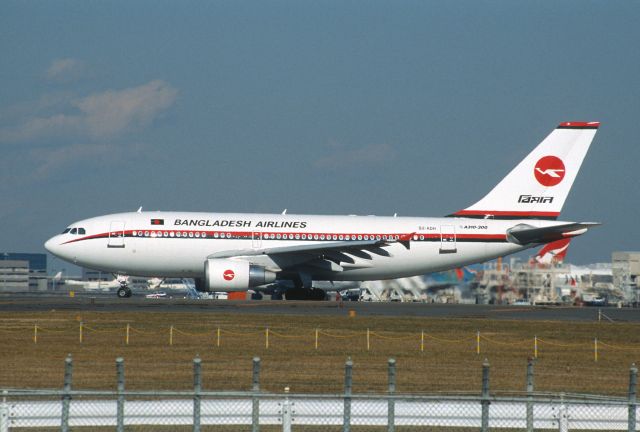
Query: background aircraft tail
[[538, 186], [553, 253]]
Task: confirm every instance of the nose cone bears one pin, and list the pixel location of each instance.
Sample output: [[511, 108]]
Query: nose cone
[[53, 245]]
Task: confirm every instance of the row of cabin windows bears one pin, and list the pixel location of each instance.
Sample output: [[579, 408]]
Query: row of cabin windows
[[74, 231]]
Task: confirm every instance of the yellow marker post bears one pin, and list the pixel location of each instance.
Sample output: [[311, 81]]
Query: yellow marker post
[[368, 341], [535, 347], [316, 339], [478, 342], [422, 341], [171, 336], [218, 338], [126, 339], [80, 331], [266, 338], [595, 349], [35, 334]]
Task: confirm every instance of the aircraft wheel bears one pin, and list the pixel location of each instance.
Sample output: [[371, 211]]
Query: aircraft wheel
[[124, 292]]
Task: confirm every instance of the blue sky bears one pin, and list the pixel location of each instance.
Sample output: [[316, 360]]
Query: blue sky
[[334, 107]]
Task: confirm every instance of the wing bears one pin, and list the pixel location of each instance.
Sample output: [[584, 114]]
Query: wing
[[329, 256], [524, 234]]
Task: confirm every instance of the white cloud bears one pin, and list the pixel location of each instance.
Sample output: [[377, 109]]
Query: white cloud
[[115, 111], [65, 70], [98, 116], [369, 155], [49, 161]]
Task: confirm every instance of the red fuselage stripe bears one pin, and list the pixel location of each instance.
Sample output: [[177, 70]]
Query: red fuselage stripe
[[258, 235]]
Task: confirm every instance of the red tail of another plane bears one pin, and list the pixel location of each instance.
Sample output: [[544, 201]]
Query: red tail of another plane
[[553, 253]]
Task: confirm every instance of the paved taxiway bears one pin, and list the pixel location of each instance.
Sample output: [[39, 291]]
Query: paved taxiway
[[109, 303]]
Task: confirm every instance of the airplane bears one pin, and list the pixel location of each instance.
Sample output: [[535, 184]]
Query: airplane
[[226, 252]]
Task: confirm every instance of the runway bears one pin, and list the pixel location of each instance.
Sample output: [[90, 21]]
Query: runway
[[109, 303]]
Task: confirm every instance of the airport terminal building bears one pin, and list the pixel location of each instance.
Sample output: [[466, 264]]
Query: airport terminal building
[[23, 272]]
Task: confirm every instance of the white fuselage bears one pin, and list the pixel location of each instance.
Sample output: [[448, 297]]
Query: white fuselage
[[177, 244]]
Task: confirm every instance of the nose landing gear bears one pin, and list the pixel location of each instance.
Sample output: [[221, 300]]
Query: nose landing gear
[[124, 291]]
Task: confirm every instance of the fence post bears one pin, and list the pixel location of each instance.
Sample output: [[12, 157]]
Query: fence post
[[81, 332], [120, 406], [255, 409], [66, 396], [485, 396], [563, 416], [126, 339], [286, 412], [391, 409], [4, 413], [530, 395], [348, 387], [197, 388], [633, 381], [478, 342]]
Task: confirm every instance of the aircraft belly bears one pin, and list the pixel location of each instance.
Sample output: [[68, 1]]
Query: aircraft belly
[[421, 259]]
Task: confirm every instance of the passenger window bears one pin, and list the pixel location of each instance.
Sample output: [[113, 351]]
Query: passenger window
[[66, 231], [74, 231], [81, 231]]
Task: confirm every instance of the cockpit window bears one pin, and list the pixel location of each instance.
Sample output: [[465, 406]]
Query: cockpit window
[[81, 231], [74, 231], [66, 231]]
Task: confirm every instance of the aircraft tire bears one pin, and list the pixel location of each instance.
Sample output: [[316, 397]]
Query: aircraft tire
[[124, 292]]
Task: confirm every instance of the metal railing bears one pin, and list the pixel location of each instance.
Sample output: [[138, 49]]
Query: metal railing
[[255, 410]]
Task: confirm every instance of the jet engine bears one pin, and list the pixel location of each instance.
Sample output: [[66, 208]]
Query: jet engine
[[231, 275]]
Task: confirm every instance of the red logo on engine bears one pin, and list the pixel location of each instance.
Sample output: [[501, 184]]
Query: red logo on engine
[[228, 275], [549, 171]]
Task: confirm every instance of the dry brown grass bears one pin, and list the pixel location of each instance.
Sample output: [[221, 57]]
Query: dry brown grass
[[449, 362]]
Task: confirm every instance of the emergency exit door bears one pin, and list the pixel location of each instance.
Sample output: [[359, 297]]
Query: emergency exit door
[[448, 239], [256, 240]]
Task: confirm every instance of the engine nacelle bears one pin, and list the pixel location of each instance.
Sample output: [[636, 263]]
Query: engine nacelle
[[230, 275]]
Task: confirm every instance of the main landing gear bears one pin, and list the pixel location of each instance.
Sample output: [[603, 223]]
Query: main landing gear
[[304, 294], [303, 290]]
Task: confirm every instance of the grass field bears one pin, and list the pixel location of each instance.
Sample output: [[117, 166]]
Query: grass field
[[448, 363]]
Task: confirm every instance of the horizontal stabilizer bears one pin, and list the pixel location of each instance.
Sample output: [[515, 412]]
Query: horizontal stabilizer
[[524, 234]]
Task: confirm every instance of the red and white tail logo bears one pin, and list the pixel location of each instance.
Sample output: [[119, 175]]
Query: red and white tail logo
[[549, 171]]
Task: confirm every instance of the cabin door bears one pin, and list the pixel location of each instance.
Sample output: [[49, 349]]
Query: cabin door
[[116, 235]]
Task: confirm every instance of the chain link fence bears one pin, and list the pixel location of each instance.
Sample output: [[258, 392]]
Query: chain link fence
[[248, 411], [198, 410]]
